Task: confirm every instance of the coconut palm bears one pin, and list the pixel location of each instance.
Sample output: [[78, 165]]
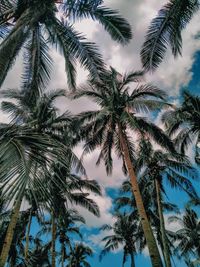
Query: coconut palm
[[110, 128], [160, 166], [37, 25], [127, 201], [78, 255], [29, 146], [166, 30], [21, 150], [39, 255], [33, 211], [4, 218], [184, 122], [61, 227], [124, 233], [16, 252], [189, 234], [42, 114], [76, 191], [67, 226]]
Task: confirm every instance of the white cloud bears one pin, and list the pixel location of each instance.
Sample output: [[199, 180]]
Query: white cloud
[[172, 74], [175, 225], [99, 172]]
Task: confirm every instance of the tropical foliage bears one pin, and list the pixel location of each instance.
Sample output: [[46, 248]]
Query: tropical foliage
[[183, 122], [166, 30], [35, 26], [49, 204]]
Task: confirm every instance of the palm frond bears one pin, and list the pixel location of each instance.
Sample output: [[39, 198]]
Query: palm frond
[[83, 201], [9, 49], [166, 30], [37, 63], [118, 28], [71, 42]]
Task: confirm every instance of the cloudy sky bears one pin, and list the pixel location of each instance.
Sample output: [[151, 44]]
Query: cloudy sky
[[172, 76]]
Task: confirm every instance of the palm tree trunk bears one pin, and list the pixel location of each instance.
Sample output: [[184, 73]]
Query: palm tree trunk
[[63, 256], [148, 233], [27, 236], [162, 226], [10, 232], [132, 260], [53, 244], [12, 264]]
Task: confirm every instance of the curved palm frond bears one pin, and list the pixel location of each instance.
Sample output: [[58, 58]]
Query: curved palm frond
[[166, 30]]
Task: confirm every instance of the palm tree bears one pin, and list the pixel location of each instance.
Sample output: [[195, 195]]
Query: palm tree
[[159, 166], [61, 227], [110, 126], [16, 145], [124, 233], [67, 226], [35, 26], [184, 122], [126, 201], [32, 211], [15, 256], [189, 234], [78, 256], [165, 30], [72, 192], [39, 255], [29, 146]]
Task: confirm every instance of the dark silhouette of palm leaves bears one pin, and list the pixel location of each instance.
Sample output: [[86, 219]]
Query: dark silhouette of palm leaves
[[78, 255], [124, 233], [127, 201], [165, 30], [35, 26], [174, 168], [189, 234], [183, 122], [119, 104], [39, 255]]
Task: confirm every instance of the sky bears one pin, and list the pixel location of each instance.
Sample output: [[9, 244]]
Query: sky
[[172, 76]]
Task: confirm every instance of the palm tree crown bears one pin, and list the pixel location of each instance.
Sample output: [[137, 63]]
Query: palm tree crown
[[36, 25], [125, 233], [184, 122], [189, 233], [78, 256], [165, 166], [118, 104]]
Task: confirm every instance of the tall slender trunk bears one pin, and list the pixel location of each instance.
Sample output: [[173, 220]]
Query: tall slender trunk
[[166, 252], [63, 256], [12, 264], [10, 232], [27, 236], [132, 260], [148, 233], [53, 244]]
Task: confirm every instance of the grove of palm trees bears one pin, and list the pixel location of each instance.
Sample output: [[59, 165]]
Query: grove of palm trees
[[99, 133]]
